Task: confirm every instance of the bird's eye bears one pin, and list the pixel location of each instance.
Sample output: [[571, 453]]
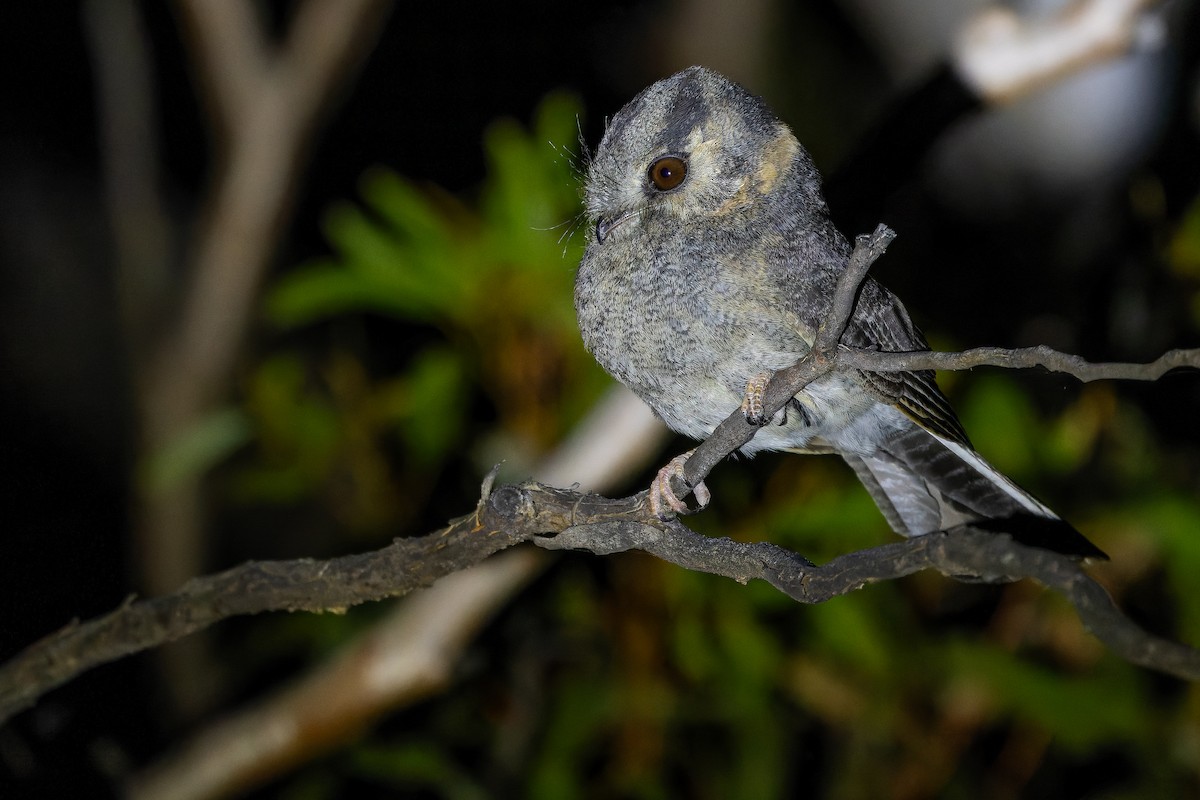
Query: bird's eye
[[668, 172]]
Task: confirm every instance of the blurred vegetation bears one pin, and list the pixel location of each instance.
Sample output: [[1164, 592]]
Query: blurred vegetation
[[624, 677]]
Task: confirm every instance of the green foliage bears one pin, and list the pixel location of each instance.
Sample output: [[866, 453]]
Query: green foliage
[[991, 411], [1067, 707], [491, 279], [1184, 248], [1172, 522], [415, 765], [419, 255], [297, 432], [197, 451]]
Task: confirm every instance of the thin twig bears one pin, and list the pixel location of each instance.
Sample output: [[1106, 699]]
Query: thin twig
[[734, 431], [867, 250], [1021, 358]]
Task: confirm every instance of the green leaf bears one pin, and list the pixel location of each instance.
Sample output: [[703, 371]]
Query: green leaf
[[408, 281], [848, 629], [1002, 423], [747, 643], [435, 388], [1082, 712], [532, 196], [318, 291], [416, 764], [582, 711], [1183, 253], [1174, 520], [197, 450], [405, 209]]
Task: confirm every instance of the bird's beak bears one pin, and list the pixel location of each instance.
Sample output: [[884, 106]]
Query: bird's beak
[[604, 225]]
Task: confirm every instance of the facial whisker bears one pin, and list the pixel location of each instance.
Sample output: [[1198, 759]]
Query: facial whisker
[[585, 152], [551, 227], [565, 239]]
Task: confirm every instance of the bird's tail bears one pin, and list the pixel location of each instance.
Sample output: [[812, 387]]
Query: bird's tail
[[923, 482]]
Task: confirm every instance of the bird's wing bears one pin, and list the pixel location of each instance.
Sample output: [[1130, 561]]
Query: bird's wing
[[928, 477], [923, 483], [881, 322]]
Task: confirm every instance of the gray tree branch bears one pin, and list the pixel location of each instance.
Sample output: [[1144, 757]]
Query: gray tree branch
[[827, 355], [1021, 358], [735, 431], [564, 519], [414, 651], [267, 97], [561, 519], [958, 552]]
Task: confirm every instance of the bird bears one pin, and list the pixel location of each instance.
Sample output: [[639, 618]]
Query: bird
[[711, 260]]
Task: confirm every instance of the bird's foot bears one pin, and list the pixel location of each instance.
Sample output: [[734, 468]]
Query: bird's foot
[[752, 401], [664, 504]]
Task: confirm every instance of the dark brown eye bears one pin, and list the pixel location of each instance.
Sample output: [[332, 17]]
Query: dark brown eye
[[668, 172]]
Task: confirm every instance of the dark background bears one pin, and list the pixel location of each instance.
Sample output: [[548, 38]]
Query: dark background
[[1077, 265]]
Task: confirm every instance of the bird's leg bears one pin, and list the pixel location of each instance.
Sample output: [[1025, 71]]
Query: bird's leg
[[752, 400], [663, 497]]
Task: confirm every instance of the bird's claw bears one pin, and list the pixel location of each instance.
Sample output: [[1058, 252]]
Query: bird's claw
[[664, 503], [752, 400]]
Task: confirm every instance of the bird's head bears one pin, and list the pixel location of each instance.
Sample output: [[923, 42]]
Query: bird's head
[[693, 146]]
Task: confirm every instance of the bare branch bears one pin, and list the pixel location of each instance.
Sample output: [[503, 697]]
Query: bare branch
[[1004, 56], [507, 516], [1021, 358], [961, 551], [409, 654], [267, 101], [560, 519], [127, 119], [326, 40], [231, 54], [406, 657], [271, 112], [735, 431], [867, 250]]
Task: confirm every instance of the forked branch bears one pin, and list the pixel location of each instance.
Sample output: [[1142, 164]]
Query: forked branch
[[564, 519]]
